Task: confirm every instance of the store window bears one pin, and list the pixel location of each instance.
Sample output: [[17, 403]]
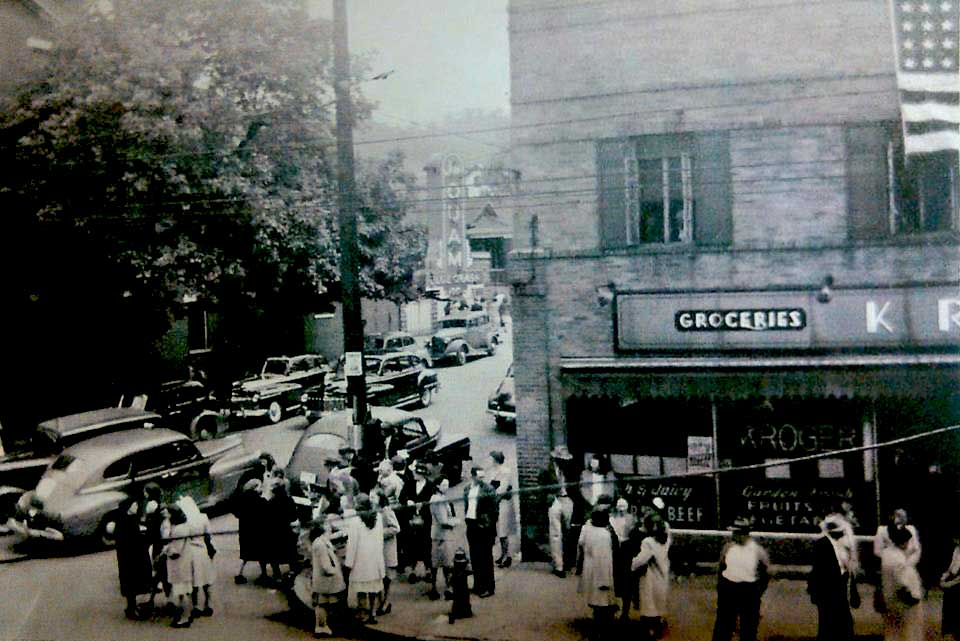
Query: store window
[[664, 190], [889, 194]]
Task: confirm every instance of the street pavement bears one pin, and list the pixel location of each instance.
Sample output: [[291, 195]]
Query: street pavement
[[73, 594], [531, 604]]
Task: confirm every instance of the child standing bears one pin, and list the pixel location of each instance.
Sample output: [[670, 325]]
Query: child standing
[[328, 584]]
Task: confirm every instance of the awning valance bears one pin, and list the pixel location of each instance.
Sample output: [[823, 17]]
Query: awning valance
[[740, 377]]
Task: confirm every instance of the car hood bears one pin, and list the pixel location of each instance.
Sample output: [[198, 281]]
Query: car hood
[[260, 384], [450, 332]]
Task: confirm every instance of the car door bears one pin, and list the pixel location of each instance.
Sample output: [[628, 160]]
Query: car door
[[392, 374], [177, 467], [416, 439]]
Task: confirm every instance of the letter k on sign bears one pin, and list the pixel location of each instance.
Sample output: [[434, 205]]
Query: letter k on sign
[[875, 319]]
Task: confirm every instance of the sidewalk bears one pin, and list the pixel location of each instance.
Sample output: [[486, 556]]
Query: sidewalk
[[531, 604]]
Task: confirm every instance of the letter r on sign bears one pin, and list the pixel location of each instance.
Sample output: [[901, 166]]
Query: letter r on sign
[[875, 319], [948, 313]]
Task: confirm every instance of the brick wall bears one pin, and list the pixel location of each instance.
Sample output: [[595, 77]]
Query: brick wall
[[782, 77]]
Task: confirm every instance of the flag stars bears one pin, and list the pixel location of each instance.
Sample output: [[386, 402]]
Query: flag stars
[[925, 7], [909, 63], [947, 43], [908, 45], [927, 63], [907, 7], [946, 25], [929, 43], [946, 7], [946, 63], [927, 25], [907, 26]]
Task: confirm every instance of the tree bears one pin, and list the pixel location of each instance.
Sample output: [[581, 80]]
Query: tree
[[179, 151]]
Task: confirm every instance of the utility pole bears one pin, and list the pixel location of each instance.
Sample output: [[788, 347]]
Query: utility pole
[[347, 217]]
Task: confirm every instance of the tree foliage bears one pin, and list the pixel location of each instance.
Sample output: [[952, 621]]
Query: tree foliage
[[184, 150]]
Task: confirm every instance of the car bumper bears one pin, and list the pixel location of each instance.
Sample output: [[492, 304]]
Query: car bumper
[[508, 415], [20, 527]]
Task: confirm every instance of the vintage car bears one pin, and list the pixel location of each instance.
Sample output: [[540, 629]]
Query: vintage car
[[80, 491], [278, 388], [501, 403], [393, 380], [21, 470], [418, 437], [188, 406], [464, 334], [395, 342]]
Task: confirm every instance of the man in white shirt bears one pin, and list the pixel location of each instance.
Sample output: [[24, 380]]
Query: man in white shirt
[[743, 578], [559, 505]]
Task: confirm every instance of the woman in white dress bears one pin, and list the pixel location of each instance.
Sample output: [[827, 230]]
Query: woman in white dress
[[364, 559], [595, 552], [902, 590], [201, 550], [654, 562], [179, 563]]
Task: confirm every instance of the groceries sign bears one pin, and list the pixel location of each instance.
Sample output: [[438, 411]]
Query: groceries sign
[[890, 317]]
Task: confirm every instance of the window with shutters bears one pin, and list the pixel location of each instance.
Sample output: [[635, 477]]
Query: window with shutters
[[664, 190], [890, 194]]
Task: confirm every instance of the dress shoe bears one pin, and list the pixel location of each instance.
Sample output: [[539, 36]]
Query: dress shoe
[[560, 573], [433, 595], [239, 579]]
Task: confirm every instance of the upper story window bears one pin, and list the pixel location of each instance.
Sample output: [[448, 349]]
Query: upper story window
[[890, 194], [664, 189]]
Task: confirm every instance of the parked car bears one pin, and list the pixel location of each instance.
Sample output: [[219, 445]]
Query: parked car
[[81, 490], [322, 440], [278, 388], [21, 470], [188, 406], [395, 342], [393, 380], [501, 403], [463, 334]]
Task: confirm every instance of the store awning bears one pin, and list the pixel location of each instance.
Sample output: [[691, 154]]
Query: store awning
[[738, 377]]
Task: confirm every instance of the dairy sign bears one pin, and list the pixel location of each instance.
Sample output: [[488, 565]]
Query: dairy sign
[[879, 317]]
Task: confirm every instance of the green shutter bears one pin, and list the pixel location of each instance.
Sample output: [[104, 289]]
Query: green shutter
[[712, 216], [867, 181], [611, 196]]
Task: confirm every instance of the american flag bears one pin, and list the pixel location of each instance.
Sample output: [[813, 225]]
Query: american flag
[[926, 41]]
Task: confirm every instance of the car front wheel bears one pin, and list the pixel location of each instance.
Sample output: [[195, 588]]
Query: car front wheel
[[426, 396], [275, 412], [462, 356]]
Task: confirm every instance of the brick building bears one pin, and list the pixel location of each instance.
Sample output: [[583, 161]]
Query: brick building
[[721, 258]]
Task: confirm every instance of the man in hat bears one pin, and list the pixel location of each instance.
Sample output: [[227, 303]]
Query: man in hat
[[415, 525], [830, 582], [558, 503], [480, 515], [743, 578]]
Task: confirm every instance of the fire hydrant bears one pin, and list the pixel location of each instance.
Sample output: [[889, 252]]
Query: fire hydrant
[[458, 584]]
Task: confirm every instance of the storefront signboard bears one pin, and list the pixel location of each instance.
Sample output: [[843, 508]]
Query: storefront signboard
[[782, 505], [847, 318], [690, 502]]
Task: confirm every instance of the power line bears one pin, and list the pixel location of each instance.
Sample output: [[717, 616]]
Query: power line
[[535, 125]]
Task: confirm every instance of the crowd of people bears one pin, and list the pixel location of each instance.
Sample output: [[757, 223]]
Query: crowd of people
[[348, 540]]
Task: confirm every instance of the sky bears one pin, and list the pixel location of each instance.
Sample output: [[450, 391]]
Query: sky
[[447, 56]]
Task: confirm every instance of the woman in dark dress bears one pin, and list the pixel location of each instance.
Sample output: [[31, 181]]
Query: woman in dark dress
[[133, 558], [280, 535]]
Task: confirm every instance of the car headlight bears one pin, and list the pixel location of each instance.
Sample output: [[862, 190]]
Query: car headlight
[[304, 398], [256, 397]]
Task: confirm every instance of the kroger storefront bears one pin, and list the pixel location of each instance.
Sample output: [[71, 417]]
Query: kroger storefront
[[733, 379]]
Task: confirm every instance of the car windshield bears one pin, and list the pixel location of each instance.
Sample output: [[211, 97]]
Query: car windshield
[[454, 322], [375, 342], [276, 366], [63, 462]]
